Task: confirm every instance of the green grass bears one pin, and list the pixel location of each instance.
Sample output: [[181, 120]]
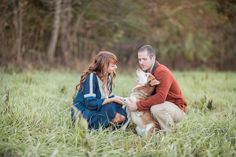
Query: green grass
[[35, 118]]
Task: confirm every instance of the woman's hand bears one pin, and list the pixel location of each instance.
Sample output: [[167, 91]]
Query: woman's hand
[[116, 99]]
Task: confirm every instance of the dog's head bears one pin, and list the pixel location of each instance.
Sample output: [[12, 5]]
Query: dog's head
[[146, 83], [144, 78]]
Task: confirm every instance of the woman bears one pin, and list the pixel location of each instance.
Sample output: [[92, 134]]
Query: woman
[[94, 97]]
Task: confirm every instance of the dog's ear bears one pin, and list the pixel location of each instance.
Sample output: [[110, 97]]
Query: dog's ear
[[152, 80]]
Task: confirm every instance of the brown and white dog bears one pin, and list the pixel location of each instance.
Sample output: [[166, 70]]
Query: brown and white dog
[[144, 120]]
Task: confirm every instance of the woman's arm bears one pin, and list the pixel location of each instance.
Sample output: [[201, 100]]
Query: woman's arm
[[112, 97], [91, 101]]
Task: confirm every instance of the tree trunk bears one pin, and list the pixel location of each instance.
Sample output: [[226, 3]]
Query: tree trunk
[[66, 30], [18, 22], [55, 33]]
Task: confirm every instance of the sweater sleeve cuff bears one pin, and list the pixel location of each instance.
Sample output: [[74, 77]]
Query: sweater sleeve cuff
[[142, 106], [139, 106]]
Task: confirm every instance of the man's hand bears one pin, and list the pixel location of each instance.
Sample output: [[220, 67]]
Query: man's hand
[[131, 104], [154, 82]]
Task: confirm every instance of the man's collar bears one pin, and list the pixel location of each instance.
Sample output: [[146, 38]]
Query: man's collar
[[154, 67]]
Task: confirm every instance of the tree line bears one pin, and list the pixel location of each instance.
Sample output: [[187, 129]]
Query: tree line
[[187, 34]]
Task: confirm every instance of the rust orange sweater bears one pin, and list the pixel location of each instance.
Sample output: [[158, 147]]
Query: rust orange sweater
[[167, 90]]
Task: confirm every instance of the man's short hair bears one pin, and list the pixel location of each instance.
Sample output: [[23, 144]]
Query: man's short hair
[[151, 52]]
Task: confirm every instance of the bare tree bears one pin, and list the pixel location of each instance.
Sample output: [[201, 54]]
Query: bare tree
[[18, 23], [66, 17], [55, 33]]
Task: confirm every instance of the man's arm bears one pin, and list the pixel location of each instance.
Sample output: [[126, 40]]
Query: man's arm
[[160, 94]]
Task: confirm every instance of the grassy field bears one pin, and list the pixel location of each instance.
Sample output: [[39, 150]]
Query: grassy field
[[35, 118]]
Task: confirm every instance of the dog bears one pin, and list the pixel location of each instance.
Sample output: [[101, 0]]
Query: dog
[[144, 120]]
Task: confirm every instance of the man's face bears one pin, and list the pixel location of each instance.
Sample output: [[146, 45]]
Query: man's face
[[145, 61]]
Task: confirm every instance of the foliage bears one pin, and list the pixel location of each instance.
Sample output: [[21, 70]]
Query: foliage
[[188, 34]]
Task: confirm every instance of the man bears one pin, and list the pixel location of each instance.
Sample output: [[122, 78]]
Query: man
[[167, 103]]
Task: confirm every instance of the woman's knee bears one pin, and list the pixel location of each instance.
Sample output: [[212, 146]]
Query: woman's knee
[[118, 118], [109, 108], [122, 118]]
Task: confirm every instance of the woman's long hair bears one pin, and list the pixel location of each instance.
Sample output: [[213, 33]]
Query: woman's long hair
[[99, 66]]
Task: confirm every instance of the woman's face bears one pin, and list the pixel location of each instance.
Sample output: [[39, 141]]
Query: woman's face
[[111, 68]]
